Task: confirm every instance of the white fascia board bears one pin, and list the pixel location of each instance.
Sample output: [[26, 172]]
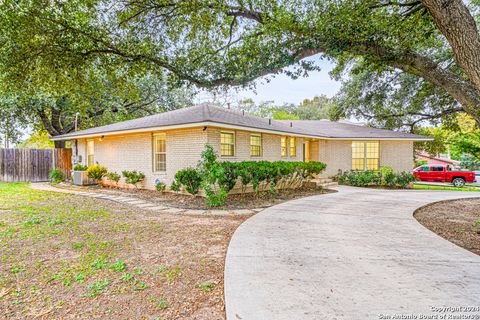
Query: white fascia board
[[380, 139], [183, 126]]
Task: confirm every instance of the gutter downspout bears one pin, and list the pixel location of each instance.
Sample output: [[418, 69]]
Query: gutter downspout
[[76, 140]]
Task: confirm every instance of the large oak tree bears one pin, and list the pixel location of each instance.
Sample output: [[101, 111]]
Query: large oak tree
[[233, 42]]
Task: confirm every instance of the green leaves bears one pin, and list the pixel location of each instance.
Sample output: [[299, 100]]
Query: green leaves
[[384, 177], [218, 178], [94, 52], [190, 179]]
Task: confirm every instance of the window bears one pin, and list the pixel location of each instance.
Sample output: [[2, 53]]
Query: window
[[284, 145], [293, 147], [365, 155], [90, 153], [437, 168], [372, 155], [255, 145], [425, 168], [227, 144], [159, 152]]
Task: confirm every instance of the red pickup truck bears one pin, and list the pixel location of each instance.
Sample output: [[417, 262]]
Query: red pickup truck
[[441, 173]]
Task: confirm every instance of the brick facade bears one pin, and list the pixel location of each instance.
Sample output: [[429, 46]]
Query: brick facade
[[337, 154], [184, 146], [271, 148]]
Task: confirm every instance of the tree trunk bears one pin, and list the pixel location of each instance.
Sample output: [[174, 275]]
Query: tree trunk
[[462, 90], [456, 22], [59, 144]]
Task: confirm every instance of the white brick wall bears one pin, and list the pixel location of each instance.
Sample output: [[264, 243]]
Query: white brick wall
[[397, 154], [135, 152], [337, 154], [271, 147], [184, 146]]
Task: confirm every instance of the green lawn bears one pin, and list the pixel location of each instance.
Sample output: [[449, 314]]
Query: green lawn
[[64, 256], [426, 187]]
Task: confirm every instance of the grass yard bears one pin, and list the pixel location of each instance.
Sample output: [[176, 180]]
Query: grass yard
[[427, 187], [65, 257]]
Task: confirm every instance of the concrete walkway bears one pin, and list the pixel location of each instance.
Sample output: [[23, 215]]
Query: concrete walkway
[[355, 254], [129, 199]]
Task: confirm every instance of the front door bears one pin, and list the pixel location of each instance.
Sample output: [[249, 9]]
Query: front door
[[306, 151]]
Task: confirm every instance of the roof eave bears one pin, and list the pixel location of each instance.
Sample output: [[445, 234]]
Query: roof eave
[[182, 126], [228, 126]]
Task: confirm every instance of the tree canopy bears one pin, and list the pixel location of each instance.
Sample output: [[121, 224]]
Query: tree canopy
[[57, 44], [319, 107]]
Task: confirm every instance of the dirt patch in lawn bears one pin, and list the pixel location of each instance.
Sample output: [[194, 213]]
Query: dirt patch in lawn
[[457, 221], [69, 257], [235, 201]]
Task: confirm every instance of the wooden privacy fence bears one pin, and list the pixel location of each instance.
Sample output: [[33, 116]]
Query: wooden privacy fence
[[33, 165]]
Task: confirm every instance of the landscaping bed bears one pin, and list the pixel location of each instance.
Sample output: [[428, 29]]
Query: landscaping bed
[[458, 221], [234, 201], [69, 257]]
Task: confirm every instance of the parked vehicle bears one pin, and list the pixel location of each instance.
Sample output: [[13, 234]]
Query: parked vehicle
[[442, 173], [477, 176]]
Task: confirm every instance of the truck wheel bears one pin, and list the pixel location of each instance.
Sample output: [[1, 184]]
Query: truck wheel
[[458, 182]]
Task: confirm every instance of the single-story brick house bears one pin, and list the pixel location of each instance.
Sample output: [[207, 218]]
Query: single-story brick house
[[161, 144]]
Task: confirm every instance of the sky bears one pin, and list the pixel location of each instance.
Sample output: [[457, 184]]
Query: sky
[[283, 89]]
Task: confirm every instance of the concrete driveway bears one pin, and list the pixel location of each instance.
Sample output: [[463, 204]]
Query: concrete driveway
[[355, 254]]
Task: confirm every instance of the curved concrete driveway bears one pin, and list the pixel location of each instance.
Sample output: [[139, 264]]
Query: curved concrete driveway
[[354, 254]]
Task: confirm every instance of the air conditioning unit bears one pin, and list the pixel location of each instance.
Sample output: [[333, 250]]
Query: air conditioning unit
[[80, 178]]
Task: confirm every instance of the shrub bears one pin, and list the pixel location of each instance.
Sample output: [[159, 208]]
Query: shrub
[[218, 178], [159, 185], [215, 198], [96, 172], [113, 176], [384, 177], [133, 177], [56, 175], [79, 167], [190, 179], [175, 186]]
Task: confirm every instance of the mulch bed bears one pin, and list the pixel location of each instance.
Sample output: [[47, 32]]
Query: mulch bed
[[458, 221], [235, 201]]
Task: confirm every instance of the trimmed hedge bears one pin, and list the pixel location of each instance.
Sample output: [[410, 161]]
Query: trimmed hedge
[[384, 177], [218, 178]]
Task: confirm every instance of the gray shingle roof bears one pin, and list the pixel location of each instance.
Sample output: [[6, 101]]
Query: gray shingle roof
[[338, 130], [208, 113]]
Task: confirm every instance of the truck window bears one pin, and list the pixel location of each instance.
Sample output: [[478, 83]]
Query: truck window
[[437, 168], [425, 168]]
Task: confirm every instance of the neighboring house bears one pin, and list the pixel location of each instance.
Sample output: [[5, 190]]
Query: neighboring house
[[436, 160], [164, 143]]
